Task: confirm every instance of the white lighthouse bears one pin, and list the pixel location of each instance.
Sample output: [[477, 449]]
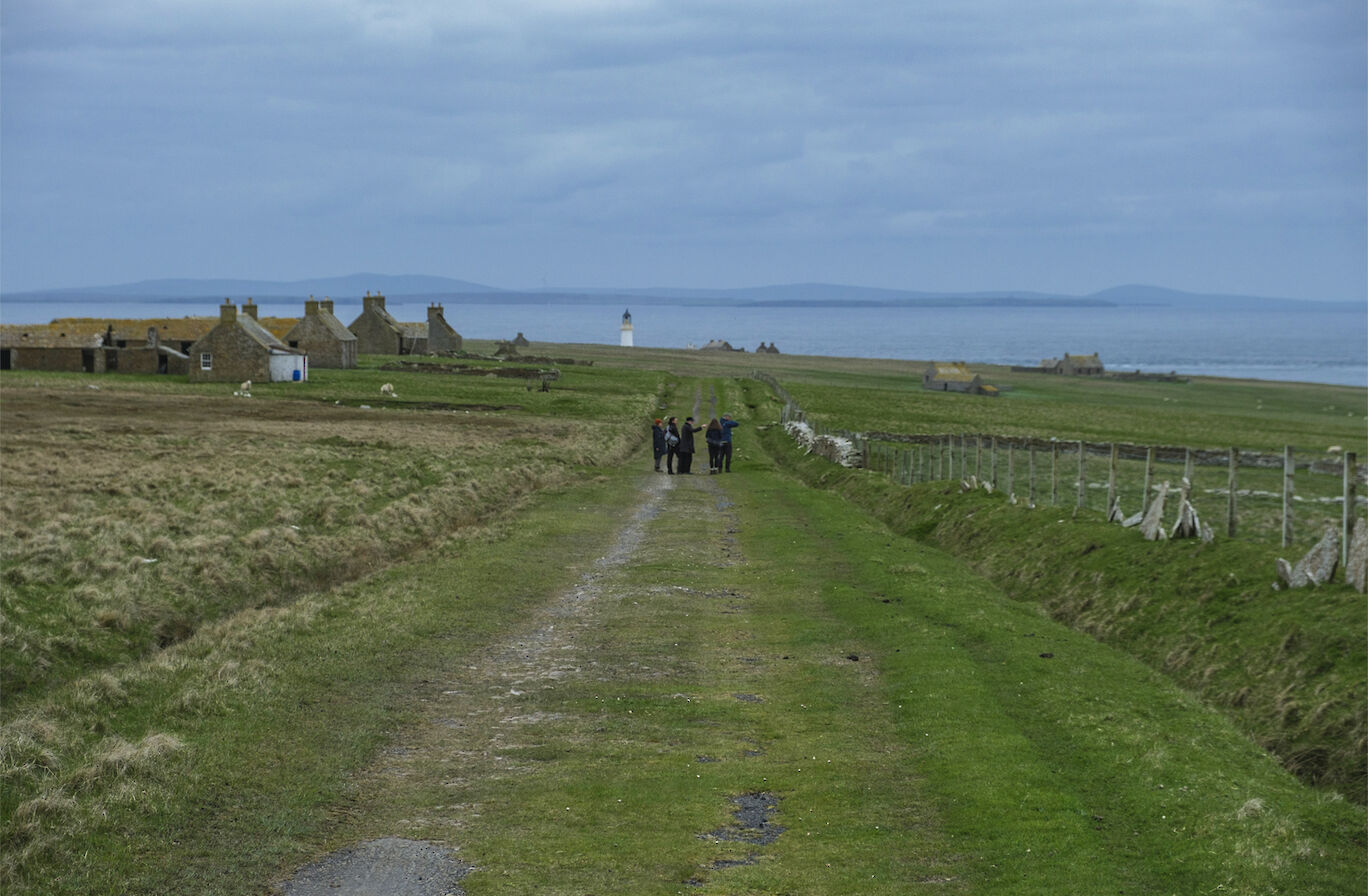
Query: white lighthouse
[[627, 329]]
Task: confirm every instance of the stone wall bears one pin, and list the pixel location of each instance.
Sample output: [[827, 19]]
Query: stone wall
[[58, 360]]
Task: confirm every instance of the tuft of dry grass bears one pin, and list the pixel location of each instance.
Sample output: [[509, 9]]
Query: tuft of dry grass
[[117, 758], [122, 532]]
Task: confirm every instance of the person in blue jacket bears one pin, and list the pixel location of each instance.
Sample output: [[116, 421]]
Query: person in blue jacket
[[728, 424]]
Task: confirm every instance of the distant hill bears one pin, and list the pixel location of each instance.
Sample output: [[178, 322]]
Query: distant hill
[[354, 286], [819, 294], [1138, 294]]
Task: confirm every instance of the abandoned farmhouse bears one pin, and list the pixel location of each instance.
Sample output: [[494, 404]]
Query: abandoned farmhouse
[[1069, 365], [238, 345], [955, 376]]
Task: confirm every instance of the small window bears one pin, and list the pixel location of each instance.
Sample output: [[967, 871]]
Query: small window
[[206, 361]]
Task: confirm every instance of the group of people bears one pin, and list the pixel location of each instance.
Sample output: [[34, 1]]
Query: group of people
[[674, 442]]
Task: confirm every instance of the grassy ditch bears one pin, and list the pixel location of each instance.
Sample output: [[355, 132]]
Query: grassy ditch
[[1286, 666]]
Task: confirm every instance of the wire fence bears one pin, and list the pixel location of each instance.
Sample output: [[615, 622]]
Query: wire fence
[[1286, 498]]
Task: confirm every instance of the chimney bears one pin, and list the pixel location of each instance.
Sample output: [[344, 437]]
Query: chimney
[[310, 307], [227, 312], [249, 308], [376, 301], [327, 305]]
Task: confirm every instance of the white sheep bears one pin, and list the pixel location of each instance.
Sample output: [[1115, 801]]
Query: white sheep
[[387, 390], [245, 390], [1334, 449]]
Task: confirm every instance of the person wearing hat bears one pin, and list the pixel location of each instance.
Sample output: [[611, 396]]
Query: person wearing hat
[[658, 441], [686, 445]]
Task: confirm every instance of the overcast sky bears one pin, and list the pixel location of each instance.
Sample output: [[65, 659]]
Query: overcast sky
[[1057, 145]]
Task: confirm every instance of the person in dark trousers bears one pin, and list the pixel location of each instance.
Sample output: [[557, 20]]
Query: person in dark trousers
[[658, 446], [686, 445], [714, 437], [672, 446], [728, 424]]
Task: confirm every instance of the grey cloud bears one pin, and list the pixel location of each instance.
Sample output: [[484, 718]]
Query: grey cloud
[[838, 130]]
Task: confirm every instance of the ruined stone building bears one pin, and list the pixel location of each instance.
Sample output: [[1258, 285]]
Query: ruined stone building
[[83, 346], [441, 336], [378, 333], [324, 338], [954, 376], [1074, 365]]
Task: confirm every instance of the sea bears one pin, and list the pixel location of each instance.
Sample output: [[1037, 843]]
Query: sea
[[1316, 345]]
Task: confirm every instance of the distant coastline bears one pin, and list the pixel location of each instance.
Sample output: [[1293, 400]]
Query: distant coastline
[[416, 287], [1317, 344]]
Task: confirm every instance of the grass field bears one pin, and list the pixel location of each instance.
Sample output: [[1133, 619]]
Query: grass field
[[241, 633]]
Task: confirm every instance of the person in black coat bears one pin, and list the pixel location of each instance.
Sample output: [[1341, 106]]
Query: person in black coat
[[686, 445], [658, 446], [672, 446], [714, 437]]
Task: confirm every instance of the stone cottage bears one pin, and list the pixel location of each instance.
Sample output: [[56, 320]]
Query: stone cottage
[[377, 333], [239, 348], [954, 376], [1074, 365], [720, 345], [324, 338]]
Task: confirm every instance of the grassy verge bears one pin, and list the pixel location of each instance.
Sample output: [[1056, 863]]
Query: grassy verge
[[1286, 666]]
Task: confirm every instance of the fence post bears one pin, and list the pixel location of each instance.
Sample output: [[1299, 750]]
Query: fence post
[[1187, 464], [1111, 476], [1082, 476], [1149, 478], [978, 457], [1230, 489], [1350, 510], [1289, 471], [1031, 496], [1054, 473], [992, 461], [1011, 469]]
